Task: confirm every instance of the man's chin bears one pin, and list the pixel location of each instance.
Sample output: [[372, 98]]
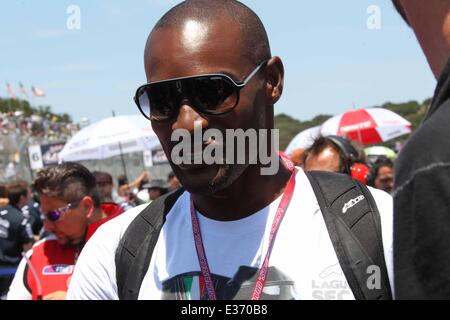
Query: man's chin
[[66, 242], [208, 180]]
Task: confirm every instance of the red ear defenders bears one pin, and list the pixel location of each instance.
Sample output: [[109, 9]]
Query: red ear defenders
[[356, 170], [361, 172]]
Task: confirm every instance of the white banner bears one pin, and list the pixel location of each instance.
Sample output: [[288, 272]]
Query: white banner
[[35, 155]]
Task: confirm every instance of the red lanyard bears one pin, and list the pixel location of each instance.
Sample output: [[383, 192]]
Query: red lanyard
[[262, 275]]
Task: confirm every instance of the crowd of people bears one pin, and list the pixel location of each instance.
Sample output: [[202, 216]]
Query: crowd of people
[[18, 131], [48, 127], [32, 221]]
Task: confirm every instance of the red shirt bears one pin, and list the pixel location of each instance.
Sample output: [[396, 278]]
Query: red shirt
[[54, 264]]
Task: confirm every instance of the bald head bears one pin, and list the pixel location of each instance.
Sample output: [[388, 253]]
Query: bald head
[[192, 14]]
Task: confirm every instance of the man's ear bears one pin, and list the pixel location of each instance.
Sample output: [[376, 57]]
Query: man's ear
[[88, 206], [274, 79]]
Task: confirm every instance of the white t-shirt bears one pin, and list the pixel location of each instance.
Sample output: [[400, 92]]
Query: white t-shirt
[[303, 263]]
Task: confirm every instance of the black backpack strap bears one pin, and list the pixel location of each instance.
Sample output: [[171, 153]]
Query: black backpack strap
[[353, 222], [135, 249]]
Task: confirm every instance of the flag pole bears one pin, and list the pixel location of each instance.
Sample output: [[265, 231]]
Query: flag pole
[[121, 154], [11, 95], [32, 98]]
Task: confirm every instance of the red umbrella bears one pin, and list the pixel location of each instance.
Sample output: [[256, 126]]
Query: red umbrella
[[367, 126]]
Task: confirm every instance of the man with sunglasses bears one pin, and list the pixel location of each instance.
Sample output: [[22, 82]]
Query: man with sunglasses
[[208, 65], [71, 207]]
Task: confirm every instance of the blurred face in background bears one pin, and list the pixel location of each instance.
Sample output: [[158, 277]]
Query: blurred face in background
[[154, 193], [105, 189], [385, 179], [24, 200]]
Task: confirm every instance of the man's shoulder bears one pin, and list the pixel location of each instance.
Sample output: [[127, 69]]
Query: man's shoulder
[[431, 135], [120, 223], [382, 199], [11, 210], [428, 147], [111, 232], [13, 215]]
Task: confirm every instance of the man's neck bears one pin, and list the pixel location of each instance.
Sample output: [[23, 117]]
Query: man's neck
[[97, 215], [250, 193]]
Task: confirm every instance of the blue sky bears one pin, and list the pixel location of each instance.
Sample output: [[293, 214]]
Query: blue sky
[[333, 61]]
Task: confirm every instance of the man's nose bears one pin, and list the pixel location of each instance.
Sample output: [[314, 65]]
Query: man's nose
[[187, 117]]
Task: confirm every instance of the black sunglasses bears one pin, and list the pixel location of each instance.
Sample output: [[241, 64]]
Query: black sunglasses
[[211, 94]]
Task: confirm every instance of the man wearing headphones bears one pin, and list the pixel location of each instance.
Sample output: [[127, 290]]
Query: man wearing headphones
[[336, 154]]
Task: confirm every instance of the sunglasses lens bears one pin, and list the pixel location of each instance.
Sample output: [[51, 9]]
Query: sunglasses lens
[[158, 101], [143, 102], [209, 94], [53, 215], [214, 94]]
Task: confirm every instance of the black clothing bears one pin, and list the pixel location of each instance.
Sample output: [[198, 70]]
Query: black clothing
[[422, 205], [15, 231], [32, 212]]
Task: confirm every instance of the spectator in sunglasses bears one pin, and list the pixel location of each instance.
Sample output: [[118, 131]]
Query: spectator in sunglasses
[[208, 64], [71, 206]]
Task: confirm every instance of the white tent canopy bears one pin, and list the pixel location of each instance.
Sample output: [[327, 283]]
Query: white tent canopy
[[303, 140], [111, 137]]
